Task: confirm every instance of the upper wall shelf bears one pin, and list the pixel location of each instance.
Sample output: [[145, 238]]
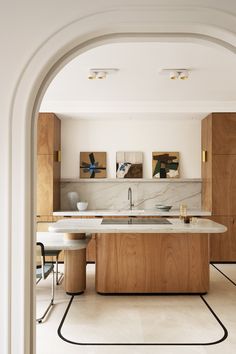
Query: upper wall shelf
[[130, 180]]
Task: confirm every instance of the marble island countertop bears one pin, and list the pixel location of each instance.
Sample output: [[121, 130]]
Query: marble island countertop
[[56, 241], [134, 212], [203, 226]]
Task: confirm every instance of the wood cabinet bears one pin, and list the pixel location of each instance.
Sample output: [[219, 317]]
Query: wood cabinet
[[49, 134], [219, 180], [206, 141], [48, 171], [48, 163], [224, 184], [223, 246], [223, 133]]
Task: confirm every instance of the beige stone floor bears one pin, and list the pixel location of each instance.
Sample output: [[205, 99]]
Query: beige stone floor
[[93, 317]]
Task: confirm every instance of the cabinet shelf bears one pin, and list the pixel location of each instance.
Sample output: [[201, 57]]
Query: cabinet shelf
[[130, 180]]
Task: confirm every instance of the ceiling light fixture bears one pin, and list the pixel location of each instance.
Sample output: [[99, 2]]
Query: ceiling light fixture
[[174, 74], [91, 75], [101, 73], [183, 75]]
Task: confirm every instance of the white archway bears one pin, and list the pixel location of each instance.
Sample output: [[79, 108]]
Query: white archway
[[55, 52]]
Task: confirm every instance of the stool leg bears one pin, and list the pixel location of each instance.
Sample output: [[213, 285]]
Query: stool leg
[[57, 269], [58, 279], [75, 271], [40, 320]]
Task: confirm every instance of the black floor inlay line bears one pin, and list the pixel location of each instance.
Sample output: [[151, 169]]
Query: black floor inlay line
[[145, 344], [226, 276]]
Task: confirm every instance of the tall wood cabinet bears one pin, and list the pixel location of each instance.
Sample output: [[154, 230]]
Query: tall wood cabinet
[[219, 181], [49, 174], [48, 164], [48, 170]]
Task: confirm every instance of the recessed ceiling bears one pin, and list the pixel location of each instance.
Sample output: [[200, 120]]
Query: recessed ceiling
[[139, 86]]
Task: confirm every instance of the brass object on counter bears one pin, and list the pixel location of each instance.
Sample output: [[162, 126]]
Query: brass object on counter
[[186, 219]]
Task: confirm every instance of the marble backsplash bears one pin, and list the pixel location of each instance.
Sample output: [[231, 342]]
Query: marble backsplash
[[114, 195]]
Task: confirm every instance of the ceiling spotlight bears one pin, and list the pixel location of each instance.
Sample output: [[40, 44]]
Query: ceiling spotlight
[[173, 75], [183, 75], [91, 75], [101, 73]]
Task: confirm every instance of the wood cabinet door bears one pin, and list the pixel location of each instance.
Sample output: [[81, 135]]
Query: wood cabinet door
[[45, 184], [56, 185], [49, 167], [48, 184], [45, 134], [224, 133], [224, 185], [206, 164], [223, 246], [57, 134]]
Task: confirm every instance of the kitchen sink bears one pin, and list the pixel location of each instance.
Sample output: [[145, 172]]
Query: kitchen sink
[[136, 221]]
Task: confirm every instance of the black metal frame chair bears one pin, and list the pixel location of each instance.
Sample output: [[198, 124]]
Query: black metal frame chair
[[55, 253], [42, 272]]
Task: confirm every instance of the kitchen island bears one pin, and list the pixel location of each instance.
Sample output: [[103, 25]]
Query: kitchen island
[[129, 212], [166, 257]]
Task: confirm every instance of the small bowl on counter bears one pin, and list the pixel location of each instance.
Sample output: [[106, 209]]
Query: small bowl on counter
[[162, 207], [81, 206]]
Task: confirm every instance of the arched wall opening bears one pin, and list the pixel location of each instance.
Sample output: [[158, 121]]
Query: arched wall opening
[[31, 86]]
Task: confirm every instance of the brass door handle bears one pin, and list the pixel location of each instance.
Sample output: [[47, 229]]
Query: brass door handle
[[204, 156], [57, 155]]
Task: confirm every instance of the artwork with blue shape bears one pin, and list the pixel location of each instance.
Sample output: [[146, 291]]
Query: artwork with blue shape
[[93, 165], [129, 164]]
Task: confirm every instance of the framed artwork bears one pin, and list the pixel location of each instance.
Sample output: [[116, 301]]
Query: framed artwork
[[165, 164], [93, 165], [129, 164]]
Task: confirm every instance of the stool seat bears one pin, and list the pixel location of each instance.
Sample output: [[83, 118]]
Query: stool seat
[[52, 253]]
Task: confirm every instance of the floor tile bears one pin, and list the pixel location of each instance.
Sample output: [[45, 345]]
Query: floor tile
[[139, 319]]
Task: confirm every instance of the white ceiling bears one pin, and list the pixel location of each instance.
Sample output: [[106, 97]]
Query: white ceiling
[[139, 87]]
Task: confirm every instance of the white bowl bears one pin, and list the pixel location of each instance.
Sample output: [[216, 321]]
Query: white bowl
[[82, 206]]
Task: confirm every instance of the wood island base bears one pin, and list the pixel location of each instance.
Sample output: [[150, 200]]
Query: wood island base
[[152, 263]]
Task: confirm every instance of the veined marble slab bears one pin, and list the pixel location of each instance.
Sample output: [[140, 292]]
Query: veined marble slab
[[176, 226], [114, 195], [56, 241], [132, 212]]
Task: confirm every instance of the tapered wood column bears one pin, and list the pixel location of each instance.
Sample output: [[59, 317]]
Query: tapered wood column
[[75, 267]]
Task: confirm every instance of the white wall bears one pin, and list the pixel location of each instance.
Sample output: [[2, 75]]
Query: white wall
[[113, 135]]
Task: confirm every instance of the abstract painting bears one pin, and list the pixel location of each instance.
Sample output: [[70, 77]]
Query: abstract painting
[[93, 165], [129, 164], [165, 164]]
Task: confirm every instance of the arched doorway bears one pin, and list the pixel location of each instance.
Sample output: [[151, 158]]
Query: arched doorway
[[54, 53]]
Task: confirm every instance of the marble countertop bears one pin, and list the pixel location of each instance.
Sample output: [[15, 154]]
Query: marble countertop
[[56, 241], [134, 212], [203, 226]]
